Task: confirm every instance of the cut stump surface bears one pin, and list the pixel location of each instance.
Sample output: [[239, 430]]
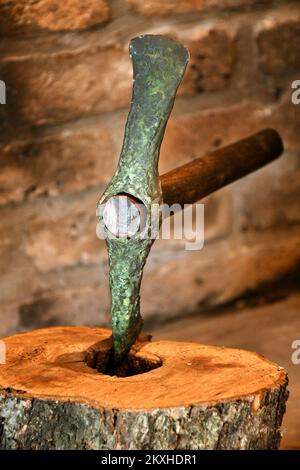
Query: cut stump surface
[[195, 397]]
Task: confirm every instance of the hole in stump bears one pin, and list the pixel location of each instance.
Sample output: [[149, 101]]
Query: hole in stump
[[100, 357]]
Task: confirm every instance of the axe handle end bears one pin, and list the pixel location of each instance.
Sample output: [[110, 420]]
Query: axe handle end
[[195, 180]]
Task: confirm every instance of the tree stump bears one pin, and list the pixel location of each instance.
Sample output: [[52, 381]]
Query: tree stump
[[170, 395]]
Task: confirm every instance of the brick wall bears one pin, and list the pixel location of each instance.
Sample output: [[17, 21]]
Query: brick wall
[[68, 78]]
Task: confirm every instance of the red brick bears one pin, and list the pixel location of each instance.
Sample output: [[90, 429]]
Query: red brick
[[167, 7], [64, 238], [70, 161], [86, 305], [197, 281], [66, 85], [54, 233], [175, 285], [218, 215], [9, 319], [52, 15], [192, 135], [212, 60], [270, 197], [278, 41], [75, 160]]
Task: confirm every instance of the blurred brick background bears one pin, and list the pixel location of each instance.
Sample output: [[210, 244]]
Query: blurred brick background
[[68, 78]]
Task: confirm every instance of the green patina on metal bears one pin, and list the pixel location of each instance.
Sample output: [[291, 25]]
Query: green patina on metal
[[158, 66]]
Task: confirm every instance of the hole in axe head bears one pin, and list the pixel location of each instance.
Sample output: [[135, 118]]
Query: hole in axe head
[[124, 215]]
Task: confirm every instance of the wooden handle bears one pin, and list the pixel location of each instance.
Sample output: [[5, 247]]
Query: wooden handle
[[201, 177]]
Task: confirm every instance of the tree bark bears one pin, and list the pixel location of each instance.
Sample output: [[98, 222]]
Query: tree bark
[[190, 396]]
